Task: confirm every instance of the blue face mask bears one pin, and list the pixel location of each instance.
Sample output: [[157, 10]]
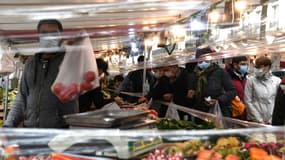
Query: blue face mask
[[203, 65], [243, 69]]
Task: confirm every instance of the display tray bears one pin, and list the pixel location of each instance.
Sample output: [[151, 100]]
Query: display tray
[[105, 118]]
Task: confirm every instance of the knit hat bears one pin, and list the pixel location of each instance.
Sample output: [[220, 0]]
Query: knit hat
[[202, 51]]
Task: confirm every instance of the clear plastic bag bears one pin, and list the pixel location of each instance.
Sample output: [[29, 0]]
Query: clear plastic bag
[[219, 116], [172, 112], [78, 71], [7, 64]]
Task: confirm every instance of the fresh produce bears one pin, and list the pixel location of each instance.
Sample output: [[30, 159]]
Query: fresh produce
[[85, 86], [89, 76], [158, 155], [181, 124], [67, 92], [57, 88], [226, 148]]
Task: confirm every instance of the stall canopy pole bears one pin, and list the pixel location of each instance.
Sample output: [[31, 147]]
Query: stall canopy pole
[[144, 71], [6, 97]]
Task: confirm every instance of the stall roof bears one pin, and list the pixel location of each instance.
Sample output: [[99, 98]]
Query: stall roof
[[104, 18]]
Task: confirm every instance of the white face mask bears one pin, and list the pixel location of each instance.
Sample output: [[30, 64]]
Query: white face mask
[[169, 74], [50, 42], [156, 75], [259, 72]]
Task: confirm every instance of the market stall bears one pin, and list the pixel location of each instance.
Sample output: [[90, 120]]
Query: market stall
[[167, 34]]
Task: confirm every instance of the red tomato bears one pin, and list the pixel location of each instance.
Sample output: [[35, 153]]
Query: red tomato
[[89, 76], [63, 96], [57, 88], [73, 88], [152, 111], [86, 86]]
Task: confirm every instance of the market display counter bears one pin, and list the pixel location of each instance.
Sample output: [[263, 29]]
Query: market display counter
[[143, 144]]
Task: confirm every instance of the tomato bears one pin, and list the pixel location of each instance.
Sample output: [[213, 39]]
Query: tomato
[[86, 86], [69, 92], [57, 88], [89, 76], [63, 96], [73, 88], [232, 157], [152, 111]]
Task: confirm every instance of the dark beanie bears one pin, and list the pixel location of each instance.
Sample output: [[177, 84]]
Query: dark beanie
[[202, 51], [50, 21]]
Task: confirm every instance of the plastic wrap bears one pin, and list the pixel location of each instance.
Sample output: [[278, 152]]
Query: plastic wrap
[[113, 144], [219, 121]]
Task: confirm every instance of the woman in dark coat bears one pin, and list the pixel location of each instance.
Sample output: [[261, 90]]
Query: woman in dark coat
[[278, 116]]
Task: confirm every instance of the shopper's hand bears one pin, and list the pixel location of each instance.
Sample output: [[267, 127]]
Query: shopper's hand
[[168, 96], [142, 100], [118, 100], [190, 93], [211, 103]]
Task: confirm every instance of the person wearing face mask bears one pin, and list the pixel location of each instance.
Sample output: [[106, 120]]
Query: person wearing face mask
[[211, 81], [278, 117], [178, 87], [238, 72], [260, 92], [156, 92], [133, 82], [95, 96], [35, 104]]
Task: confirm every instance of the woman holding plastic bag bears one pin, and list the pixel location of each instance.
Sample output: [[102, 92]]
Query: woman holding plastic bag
[[212, 86]]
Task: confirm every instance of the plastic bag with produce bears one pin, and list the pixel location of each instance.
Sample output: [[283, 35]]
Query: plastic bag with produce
[[7, 64], [78, 71]]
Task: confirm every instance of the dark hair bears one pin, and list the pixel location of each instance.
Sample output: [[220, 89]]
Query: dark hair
[[141, 58], [118, 78], [202, 51], [239, 59], [50, 21], [102, 65], [262, 61]]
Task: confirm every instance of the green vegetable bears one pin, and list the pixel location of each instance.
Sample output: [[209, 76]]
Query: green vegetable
[[181, 124]]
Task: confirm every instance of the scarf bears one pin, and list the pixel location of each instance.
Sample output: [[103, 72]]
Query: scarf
[[202, 80]]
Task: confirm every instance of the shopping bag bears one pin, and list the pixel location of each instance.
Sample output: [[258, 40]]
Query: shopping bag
[[237, 107], [7, 64], [172, 112], [219, 116], [78, 71]]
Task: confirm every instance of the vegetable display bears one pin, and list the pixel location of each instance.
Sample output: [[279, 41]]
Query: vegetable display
[[181, 124], [224, 148]]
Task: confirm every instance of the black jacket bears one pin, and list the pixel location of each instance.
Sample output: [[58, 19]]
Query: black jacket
[[219, 87], [278, 117], [35, 104], [94, 96], [179, 88]]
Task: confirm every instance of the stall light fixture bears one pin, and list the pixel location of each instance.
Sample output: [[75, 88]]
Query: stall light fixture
[[269, 39], [155, 39], [214, 16], [178, 31], [148, 42], [196, 25], [240, 5], [63, 15]]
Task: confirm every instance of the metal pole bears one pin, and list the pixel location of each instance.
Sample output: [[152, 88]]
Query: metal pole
[[144, 71], [6, 97]]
